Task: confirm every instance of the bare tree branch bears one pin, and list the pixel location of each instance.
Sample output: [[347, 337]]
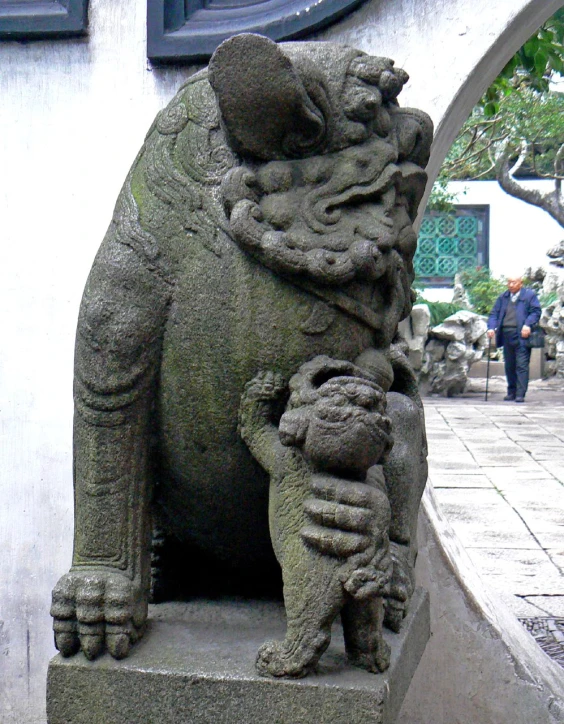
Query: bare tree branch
[[550, 202], [558, 159], [463, 161]]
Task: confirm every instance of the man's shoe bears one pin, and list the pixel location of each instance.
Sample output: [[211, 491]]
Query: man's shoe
[[519, 399], [509, 398]]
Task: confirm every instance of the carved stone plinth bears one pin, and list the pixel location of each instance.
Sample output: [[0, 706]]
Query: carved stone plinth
[[198, 666]]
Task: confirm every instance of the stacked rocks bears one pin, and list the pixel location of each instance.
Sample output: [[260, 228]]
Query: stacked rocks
[[552, 318], [552, 321], [415, 331], [443, 355]]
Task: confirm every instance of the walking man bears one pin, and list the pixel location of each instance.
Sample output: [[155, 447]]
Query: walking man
[[511, 319]]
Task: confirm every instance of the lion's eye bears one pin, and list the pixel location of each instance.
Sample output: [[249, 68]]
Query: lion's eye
[[363, 104]]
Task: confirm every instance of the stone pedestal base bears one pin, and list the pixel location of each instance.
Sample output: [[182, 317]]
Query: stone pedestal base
[[195, 665]]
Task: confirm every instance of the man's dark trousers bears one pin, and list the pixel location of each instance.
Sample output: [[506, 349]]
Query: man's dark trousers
[[516, 355]]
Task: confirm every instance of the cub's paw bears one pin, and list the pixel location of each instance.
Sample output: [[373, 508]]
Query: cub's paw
[[401, 588], [265, 386], [282, 658], [375, 661], [96, 610]]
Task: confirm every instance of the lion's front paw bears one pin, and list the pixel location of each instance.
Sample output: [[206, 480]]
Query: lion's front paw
[[96, 610]]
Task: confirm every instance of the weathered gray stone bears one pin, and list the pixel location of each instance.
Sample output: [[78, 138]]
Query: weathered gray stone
[[444, 354], [415, 330], [236, 354], [115, 101], [477, 328], [434, 350], [461, 326], [329, 444], [197, 665], [452, 349], [455, 350], [420, 320], [552, 317], [459, 293], [449, 332], [556, 254]]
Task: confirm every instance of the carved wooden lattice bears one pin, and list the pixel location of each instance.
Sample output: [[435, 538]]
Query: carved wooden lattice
[[450, 242]]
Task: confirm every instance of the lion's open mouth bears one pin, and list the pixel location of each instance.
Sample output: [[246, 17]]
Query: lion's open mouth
[[327, 220], [322, 210]]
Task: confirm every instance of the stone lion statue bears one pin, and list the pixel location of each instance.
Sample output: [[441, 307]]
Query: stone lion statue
[[245, 414]]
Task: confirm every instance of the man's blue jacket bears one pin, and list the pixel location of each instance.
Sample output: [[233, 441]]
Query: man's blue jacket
[[527, 311]]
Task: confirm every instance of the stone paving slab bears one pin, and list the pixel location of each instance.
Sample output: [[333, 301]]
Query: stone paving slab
[[482, 519], [506, 502], [546, 454], [523, 606], [556, 431], [529, 572], [451, 450], [557, 556], [453, 480], [484, 449], [528, 487], [454, 458], [440, 464], [502, 460], [544, 517], [532, 470], [485, 433], [552, 451], [553, 605], [556, 469]]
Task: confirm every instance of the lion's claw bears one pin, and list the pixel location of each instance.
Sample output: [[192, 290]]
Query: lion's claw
[[96, 610]]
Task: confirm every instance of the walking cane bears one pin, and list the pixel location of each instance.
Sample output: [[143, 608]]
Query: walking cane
[[488, 367]]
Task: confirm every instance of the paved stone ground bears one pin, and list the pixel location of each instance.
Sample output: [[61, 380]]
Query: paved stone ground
[[498, 471]]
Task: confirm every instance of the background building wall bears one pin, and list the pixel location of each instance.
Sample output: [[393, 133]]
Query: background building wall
[[74, 114], [520, 234]]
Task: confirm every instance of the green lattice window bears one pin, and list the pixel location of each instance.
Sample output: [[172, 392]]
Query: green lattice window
[[451, 242]]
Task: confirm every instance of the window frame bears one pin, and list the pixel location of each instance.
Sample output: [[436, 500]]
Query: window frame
[[30, 20], [188, 31], [483, 250]]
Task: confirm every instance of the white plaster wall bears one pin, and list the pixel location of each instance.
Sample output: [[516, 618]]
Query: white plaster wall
[[73, 115], [520, 234]]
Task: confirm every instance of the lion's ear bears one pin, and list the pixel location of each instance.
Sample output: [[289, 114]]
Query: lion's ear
[[414, 130], [265, 110]]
